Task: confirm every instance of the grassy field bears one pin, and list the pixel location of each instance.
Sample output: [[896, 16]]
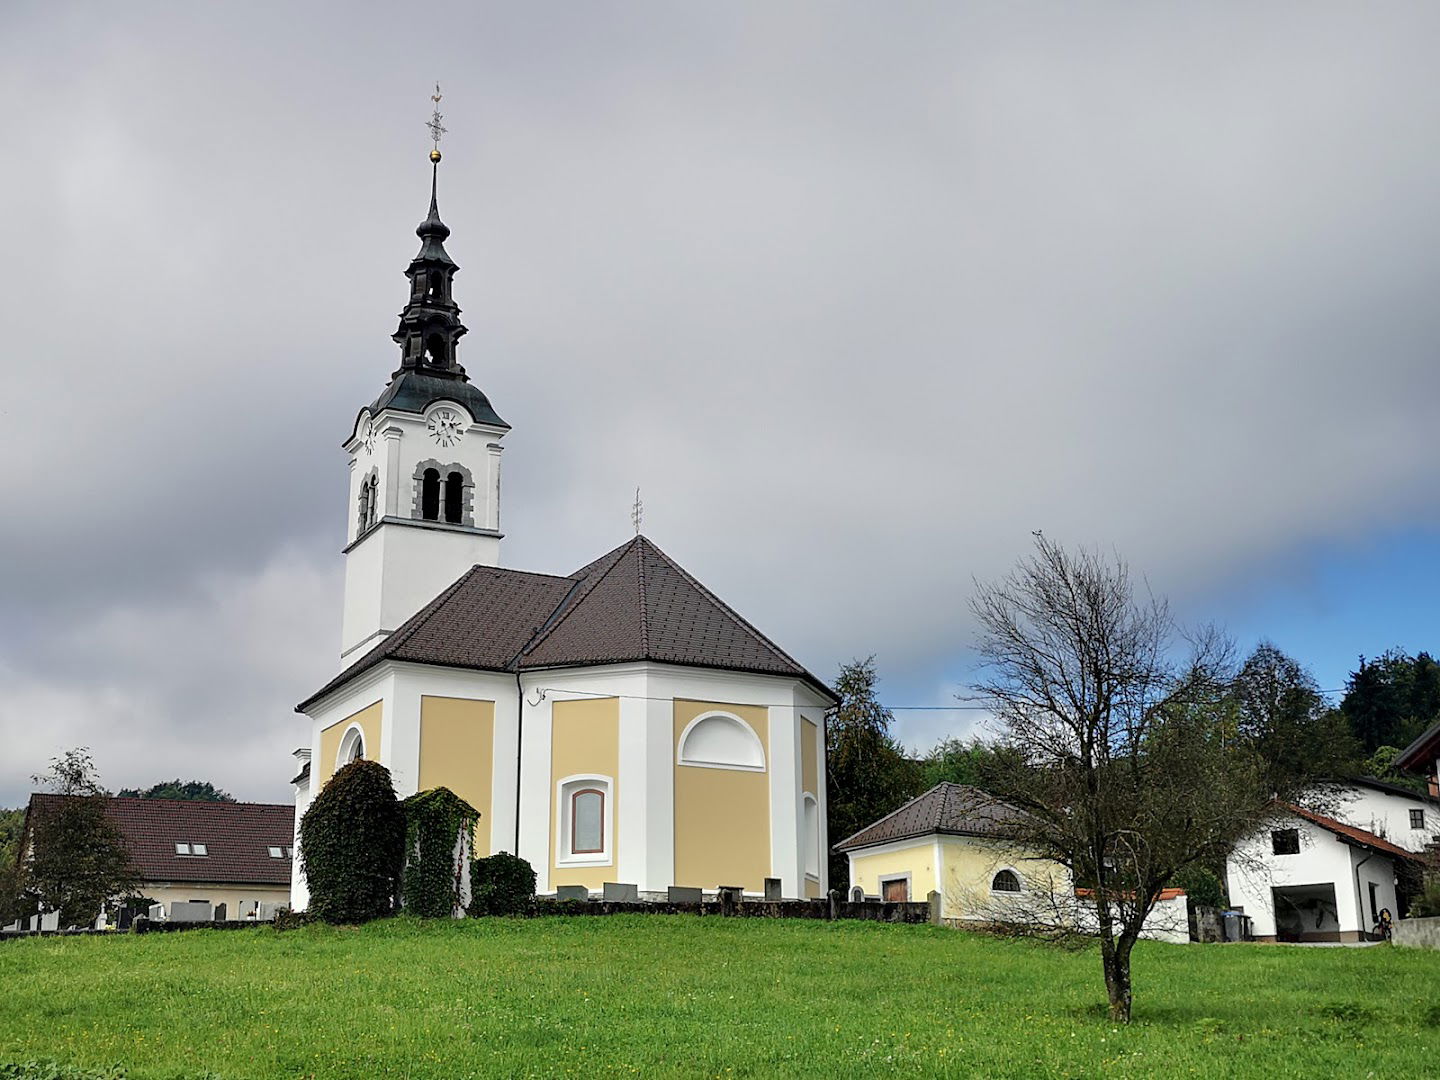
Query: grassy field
[[684, 996]]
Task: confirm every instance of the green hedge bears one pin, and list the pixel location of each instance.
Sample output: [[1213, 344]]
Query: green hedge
[[352, 845], [503, 884], [431, 883]]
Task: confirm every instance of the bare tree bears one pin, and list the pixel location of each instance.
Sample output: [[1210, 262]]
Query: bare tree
[[1124, 750]]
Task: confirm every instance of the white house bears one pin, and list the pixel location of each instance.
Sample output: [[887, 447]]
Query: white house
[[1423, 756], [1313, 877], [619, 723]]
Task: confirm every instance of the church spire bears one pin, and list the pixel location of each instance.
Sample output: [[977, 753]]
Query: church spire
[[430, 325]]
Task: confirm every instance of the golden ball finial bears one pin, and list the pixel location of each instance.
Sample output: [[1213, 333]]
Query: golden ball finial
[[435, 156]]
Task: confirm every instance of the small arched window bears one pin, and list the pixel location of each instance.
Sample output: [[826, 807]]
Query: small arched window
[[430, 495], [352, 748], [437, 286], [454, 497], [1006, 881], [587, 821]]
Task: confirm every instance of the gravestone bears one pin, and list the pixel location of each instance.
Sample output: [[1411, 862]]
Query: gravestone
[[267, 911], [191, 911], [618, 893], [156, 913], [857, 895], [220, 912], [247, 909], [572, 892], [933, 898], [772, 888], [681, 894]]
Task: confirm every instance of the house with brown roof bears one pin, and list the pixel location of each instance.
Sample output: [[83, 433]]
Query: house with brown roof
[[620, 723], [963, 843], [232, 853], [1310, 876]]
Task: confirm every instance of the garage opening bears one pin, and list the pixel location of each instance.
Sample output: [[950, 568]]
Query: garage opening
[[1306, 913]]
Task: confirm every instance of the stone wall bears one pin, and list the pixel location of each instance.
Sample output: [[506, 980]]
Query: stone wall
[[1418, 933]]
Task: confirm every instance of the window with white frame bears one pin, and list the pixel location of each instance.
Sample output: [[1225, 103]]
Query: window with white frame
[[721, 740], [584, 813], [1006, 881], [352, 747], [812, 835]]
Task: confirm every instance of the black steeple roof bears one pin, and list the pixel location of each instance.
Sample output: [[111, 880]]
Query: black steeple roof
[[430, 329]]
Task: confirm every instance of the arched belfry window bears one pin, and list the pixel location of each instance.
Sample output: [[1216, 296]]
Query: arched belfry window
[[430, 495], [435, 352], [454, 495], [436, 290], [369, 501], [444, 492]]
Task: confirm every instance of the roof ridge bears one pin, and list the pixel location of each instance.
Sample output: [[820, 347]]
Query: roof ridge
[[1344, 828], [898, 809], [592, 582], [726, 608], [641, 543]]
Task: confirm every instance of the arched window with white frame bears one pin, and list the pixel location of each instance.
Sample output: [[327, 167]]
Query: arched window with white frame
[[352, 747], [584, 818], [1005, 881], [721, 740]]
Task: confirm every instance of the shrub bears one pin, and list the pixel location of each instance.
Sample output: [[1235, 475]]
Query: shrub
[[439, 831], [503, 884], [1202, 885], [352, 844], [1426, 903]]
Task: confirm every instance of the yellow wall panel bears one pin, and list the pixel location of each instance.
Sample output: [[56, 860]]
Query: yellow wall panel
[[810, 756], [369, 720], [584, 738], [916, 859], [457, 751], [722, 816]]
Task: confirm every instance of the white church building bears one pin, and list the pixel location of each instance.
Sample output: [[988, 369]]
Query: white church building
[[617, 724]]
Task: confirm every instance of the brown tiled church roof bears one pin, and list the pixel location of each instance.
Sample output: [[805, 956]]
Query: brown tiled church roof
[[955, 809], [237, 838], [634, 603]]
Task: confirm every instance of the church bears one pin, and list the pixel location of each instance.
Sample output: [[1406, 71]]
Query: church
[[617, 724]]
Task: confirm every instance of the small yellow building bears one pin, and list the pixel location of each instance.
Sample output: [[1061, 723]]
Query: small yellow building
[[958, 841]]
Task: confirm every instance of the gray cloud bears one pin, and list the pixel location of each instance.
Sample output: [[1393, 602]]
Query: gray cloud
[[859, 294]]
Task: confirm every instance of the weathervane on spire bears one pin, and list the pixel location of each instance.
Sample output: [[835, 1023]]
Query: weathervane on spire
[[436, 128], [637, 512]]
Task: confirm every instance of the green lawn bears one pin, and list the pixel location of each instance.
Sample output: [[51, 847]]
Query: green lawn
[[688, 996]]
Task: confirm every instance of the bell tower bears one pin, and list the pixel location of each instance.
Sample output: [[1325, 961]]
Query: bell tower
[[424, 457]]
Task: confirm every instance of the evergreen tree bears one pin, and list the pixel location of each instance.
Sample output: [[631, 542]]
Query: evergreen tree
[[867, 772], [1392, 700], [189, 790]]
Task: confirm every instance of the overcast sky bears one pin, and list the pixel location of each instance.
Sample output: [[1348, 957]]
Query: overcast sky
[[859, 294]]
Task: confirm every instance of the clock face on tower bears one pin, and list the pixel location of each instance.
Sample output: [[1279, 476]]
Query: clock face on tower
[[368, 437], [444, 427]]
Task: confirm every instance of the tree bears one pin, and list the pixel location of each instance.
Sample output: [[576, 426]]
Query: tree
[[77, 858], [1119, 732], [1280, 710], [867, 772], [352, 845], [188, 790], [1381, 765], [960, 761], [1392, 700]]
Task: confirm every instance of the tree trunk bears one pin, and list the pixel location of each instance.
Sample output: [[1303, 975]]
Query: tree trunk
[[1116, 960]]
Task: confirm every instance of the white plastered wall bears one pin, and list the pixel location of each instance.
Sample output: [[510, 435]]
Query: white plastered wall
[[396, 568], [1253, 870]]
